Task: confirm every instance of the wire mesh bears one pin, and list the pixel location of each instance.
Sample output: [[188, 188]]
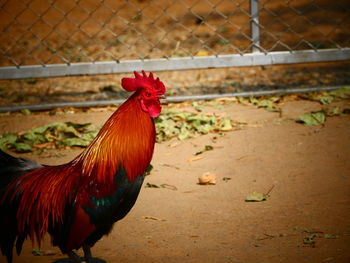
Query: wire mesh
[[37, 32]]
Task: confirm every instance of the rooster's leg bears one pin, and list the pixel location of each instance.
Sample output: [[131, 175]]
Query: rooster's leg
[[87, 253], [74, 258]]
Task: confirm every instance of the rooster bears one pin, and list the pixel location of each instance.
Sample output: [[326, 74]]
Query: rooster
[[78, 202]]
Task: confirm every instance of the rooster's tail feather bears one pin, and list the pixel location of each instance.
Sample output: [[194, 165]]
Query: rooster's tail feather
[[10, 169]]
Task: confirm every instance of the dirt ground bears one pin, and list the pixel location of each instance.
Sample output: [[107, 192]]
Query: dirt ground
[[308, 168]]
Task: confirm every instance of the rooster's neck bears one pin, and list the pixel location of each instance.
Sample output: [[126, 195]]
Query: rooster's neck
[[125, 141]]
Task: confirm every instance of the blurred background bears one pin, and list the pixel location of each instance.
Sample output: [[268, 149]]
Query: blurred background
[[46, 38]]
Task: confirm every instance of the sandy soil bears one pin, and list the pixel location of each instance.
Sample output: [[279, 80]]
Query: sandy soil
[[308, 167]]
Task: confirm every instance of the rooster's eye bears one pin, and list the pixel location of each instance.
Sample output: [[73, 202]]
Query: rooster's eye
[[148, 94]]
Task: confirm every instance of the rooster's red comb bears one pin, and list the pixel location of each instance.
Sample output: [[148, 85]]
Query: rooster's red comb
[[143, 82]]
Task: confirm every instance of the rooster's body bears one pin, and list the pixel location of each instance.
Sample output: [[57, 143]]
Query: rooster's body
[[78, 202]]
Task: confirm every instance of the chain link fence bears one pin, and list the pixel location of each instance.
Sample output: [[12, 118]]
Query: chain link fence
[[56, 38], [64, 37]]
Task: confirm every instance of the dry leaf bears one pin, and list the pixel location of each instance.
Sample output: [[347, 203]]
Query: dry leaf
[[205, 149], [153, 218], [169, 165], [167, 186], [174, 144], [47, 145], [256, 197], [202, 53], [50, 252], [194, 159]]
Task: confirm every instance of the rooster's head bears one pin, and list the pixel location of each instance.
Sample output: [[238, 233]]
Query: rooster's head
[[150, 91]]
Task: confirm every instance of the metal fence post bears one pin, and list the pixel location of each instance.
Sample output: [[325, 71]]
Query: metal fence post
[[255, 34]]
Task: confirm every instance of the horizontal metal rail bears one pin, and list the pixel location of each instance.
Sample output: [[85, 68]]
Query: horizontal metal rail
[[170, 99], [185, 63]]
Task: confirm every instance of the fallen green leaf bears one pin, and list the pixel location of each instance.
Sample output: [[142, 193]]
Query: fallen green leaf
[[74, 142], [206, 148], [342, 93], [111, 88], [312, 231], [196, 106], [313, 118], [22, 147], [78, 125], [332, 111], [37, 252], [30, 81], [268, 103], [256, 197], [330, 236], [184, 132], [149, 169], [323, 97], [225, 125], [6, 140], [166, 186], [184, 125], [34, 137], [149, 185], [310, 240], [60, 134], [26, 112], [326, 99]]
